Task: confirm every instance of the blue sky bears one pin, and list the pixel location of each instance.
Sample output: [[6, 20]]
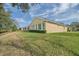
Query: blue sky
[[62, 12]]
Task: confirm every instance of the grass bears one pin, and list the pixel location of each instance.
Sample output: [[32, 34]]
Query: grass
[[52, 44], [40, 44]]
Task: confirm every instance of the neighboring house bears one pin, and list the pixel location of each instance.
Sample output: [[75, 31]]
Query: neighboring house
[[42, 24], [74, 26], [23, 29], [77, 28]]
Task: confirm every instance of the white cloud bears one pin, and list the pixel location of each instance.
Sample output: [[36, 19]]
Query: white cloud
[[56, 10], [45, 13], [74, 16], [74, 4], [20, 20], [33, 10], [64, 7]]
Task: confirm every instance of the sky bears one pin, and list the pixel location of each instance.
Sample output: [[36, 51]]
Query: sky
[[62, 12]]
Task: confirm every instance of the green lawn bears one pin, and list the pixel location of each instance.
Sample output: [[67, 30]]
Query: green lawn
[[27, 43], [51, 44]]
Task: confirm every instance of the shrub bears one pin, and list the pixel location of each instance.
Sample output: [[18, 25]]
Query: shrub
[[38, 31]]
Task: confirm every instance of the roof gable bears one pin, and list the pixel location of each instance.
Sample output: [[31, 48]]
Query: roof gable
[[50, 21]]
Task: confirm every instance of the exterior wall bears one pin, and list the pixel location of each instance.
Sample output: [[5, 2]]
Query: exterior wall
[[34, 24], [66, 29], [54, 28], [49, 27]]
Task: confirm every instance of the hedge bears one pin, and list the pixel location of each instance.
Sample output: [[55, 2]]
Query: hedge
[[38, 31]]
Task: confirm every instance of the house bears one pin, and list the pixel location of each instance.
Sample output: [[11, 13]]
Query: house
[[74, 26], [42, 24]]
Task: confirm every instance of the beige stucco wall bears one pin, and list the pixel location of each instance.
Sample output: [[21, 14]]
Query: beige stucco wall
[[50, 27], [35, 22]]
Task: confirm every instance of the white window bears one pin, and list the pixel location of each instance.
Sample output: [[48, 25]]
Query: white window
[[43, 26], [36, 27], [39, 26]]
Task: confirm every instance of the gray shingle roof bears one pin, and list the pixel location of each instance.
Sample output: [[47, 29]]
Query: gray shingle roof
[[51, 21]]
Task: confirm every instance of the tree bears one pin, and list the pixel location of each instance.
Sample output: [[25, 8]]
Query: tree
[[6, 24], [74, 26], [23, 6], [5, 21]]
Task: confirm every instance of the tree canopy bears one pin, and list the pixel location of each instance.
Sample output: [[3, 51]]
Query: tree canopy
[[6, 24], [5, 21]]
